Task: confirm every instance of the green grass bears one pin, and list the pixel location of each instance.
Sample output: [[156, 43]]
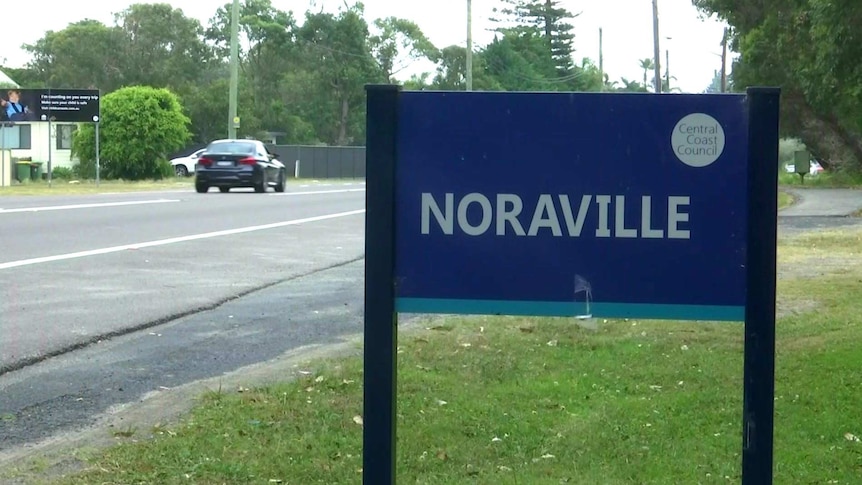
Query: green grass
[[65, 187], [825, 179], [784, 199], [83, 187], [544, 401]]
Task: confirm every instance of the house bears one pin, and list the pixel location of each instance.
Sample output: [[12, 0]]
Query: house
[[34, 140]]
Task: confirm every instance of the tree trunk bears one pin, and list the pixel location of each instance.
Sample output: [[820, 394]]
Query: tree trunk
[[830, 142], [342, 128]]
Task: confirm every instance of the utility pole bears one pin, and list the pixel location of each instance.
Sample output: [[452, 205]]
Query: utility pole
[[234, 70], [469, 45], [656, 47], [601, 61], [724, 62]]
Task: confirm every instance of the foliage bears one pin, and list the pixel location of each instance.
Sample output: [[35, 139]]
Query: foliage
[[140, 126], [303, 81], [62, 173], [811, 49]]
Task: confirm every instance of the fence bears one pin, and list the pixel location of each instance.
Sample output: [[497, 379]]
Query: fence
[[322, 162]]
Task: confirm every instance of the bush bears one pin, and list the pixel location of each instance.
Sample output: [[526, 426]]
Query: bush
[[85, 170], [62, 173], [165, 169], [140, 126]]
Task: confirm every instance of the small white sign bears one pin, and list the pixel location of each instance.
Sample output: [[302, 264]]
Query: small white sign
[[698, 140]]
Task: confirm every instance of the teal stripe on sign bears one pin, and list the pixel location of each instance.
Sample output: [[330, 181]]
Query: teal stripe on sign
[[570, 309]]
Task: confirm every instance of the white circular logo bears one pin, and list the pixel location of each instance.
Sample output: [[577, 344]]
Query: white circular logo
[[697, 140]]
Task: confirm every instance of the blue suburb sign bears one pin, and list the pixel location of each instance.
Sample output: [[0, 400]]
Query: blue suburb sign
[[559, 204]]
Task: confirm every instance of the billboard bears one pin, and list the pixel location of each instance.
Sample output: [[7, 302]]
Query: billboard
[[36, 105]]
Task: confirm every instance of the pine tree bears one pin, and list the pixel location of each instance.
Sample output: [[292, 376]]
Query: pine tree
[[548, 19]]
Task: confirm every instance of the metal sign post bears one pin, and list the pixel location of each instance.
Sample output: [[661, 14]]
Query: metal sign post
[[50, 142], [2, 153], [96, 129]]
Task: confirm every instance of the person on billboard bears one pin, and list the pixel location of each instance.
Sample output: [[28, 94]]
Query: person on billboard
[[14, 109]]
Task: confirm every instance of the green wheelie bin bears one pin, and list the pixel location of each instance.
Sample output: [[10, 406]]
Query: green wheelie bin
[[22, 171]]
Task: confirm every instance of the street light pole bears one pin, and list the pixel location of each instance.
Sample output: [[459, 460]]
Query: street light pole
[[656, 47], [724, 62], [601, 61], [234, 69]]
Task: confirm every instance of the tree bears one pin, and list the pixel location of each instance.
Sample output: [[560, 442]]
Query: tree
[[630, 86], [338, 55], [83, 55], [161, 46], [140, 126], [549, 19], [810, 49], [396, 38], [647, 64], [452, 71], [715, 84]]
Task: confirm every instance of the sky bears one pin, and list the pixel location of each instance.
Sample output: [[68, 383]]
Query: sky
[[693, 49]]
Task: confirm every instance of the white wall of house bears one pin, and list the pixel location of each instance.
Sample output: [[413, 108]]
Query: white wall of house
[[58, 140], [5, 168]]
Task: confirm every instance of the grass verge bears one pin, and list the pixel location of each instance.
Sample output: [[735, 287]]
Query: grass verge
[[83, 187], [785, 199], [66, 187], [824, 180], [543, 401]]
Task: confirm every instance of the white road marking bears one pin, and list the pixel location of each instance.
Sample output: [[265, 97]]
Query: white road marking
[[173, 240], [339, 191], [86, 206]]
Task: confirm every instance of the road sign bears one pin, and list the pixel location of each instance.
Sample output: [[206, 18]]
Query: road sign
[[236, 121], [571, 204], [541, 197]]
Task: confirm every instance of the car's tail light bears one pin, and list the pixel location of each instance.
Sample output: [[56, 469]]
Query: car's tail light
[[206, 162], [248, 161]]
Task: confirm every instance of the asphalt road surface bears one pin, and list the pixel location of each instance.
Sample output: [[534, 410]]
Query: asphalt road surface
[[820, 209], [189, 286], [73, 270]]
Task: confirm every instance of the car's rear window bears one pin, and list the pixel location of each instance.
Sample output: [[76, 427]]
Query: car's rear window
[[231, 147]]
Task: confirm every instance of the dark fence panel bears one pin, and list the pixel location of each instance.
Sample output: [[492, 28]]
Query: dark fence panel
[[322, 162]]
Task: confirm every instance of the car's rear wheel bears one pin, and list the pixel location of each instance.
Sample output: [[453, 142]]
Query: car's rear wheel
[[224, 190], [181, 170], [261, 186], [279, 186], [202, 188]]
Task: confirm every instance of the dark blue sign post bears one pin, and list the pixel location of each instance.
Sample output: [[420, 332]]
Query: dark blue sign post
[[571, 204]]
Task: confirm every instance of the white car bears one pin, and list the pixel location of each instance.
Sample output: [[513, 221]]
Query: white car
[[185, 166], [813, 169]]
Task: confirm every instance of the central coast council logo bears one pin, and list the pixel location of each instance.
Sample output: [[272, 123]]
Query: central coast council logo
[[697, 140]]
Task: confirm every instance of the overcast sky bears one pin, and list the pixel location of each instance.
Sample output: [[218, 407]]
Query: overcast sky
[[694, 47]]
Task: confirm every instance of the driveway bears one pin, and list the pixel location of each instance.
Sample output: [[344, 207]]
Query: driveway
[[823, 203], [819, 209]]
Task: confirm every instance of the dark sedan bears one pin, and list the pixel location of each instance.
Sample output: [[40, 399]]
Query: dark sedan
[[238, 163]]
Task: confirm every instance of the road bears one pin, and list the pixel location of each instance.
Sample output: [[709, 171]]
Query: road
[[817, 209], [79, 269], [211, 283], [142, 268]]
